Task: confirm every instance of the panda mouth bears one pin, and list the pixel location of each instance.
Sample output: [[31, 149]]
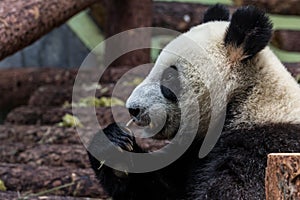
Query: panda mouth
[[149, 128], [142, 120]]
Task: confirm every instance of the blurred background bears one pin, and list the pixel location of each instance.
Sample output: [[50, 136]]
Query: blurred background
[[67, 45]]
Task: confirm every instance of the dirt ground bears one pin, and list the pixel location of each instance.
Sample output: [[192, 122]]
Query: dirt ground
[[39, 157]]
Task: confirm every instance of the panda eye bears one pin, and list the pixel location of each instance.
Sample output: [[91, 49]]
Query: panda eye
[[169, 74], [174, 67], [170, 84]]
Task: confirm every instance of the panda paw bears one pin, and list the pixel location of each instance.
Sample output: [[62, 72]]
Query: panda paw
[[120, 136]]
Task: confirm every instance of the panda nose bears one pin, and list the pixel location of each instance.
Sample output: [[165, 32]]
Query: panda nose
[[135, 112], [140, 116]]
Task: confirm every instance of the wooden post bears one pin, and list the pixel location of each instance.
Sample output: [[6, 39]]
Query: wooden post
[[283, 176], [124, 15]]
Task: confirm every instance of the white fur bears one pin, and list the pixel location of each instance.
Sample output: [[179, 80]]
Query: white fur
[[204, 67]]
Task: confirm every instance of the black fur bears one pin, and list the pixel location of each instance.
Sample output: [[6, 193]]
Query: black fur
[[168, 94], [233, 170], [170, 84], [161, 184], [217, 12], [119, 137], [250, 28]]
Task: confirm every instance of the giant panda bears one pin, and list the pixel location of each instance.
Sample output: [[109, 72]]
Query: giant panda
[[262, 115]]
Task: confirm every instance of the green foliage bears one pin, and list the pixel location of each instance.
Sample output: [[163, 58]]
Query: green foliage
[[101, 102], [96, 102], [2, 186], [136, 81], [70, 121], [94, 86]]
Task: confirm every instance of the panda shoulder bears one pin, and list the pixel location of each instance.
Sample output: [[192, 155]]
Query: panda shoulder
[[273, 138]]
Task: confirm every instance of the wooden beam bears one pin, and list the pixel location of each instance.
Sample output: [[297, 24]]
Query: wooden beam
[[283, 176], [288, 7], [16, 85], [23, 22], [178, 16], [287, 40]]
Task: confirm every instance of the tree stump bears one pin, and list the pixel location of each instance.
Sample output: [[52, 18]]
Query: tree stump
[[283, 176]]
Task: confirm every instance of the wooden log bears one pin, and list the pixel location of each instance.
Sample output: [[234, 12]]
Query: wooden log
[[283, 176], [30, 115], [71, 155], [56, 96], [172, 15], [293, 68], [51, 95], [288, 7], [26, 178], [16, 85], [123, 15], [23, 22], [16, 196], [178, 16], [287, 40]]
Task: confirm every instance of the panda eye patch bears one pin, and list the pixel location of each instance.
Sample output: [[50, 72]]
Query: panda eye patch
[[169, 74], [174, 67], [170, 83]]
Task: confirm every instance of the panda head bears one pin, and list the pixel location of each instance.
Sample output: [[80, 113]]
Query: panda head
[[218, 54]]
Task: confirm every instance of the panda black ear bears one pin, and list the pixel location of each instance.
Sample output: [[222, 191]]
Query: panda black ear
[[250, 31], [217, 12]]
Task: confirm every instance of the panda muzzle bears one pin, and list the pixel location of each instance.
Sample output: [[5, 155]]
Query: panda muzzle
[[140, 116]]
